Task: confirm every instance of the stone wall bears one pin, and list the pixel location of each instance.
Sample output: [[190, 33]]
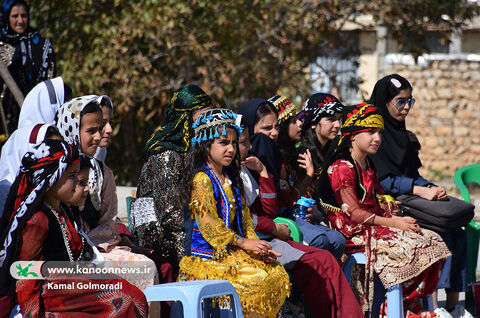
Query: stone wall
[[446, 115]]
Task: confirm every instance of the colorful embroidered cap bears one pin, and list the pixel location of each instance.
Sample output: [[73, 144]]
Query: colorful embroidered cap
[[320, 105], [285, 108], [211, 121], [361, 118]]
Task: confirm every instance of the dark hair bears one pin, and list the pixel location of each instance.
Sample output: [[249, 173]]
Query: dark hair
[[197, 157], [263, 110], [286, 145], [85, 163], [68, 93], [52, 131], [90, 108], [393, 90]]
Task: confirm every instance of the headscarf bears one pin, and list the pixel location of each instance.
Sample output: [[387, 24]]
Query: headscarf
[[285, 108], [263, 147], [18, 144], [35, 53], [356, 119], [175, 134], [317, 106], [68, 123], [42, 103], [397, 155], [41, 169]]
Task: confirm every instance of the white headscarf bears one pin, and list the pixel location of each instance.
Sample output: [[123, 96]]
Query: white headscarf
[[68, 123], [18, 144], [42, 103]]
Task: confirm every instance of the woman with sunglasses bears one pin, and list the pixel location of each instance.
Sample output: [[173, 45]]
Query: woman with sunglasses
[[397, 165]]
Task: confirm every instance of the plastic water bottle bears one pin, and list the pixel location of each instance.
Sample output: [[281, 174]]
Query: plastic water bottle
[[301, 207]]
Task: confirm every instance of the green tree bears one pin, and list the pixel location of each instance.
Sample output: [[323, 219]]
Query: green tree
[[138, 53]]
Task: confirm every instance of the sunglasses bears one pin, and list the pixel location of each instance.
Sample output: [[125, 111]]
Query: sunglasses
[[402, 102]]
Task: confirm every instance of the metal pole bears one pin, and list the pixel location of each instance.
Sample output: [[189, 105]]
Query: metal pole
[[11, 84]]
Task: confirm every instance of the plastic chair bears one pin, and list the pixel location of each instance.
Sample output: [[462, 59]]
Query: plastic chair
[[191, 294], [394, 293], [462, 177]]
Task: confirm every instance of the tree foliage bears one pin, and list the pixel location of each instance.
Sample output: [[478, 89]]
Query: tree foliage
[[139, 52]]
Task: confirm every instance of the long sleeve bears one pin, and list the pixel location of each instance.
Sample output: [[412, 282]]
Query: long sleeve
[[397, 185], [203, 207], [343, 180], [160, 180], [268, 197], [105, 233], [29, 291], [247, 226]]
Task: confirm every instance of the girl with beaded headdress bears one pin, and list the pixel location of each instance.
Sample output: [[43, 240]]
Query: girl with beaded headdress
[[35, 227], [224, 244], [397, 250]]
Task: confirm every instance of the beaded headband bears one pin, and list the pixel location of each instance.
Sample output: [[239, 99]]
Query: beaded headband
[[285, 108], [207, 125]]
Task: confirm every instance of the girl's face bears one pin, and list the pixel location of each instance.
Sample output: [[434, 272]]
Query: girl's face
[[367, 142], [81, 189], [223, 149], [18, 19], [90, 132], [398, 112], [267, 125], [64, 188], [295, 129], [244, 144], [107, 127], [327, 128]]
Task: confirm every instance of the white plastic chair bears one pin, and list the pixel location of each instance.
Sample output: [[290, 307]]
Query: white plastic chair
[[394, 293], [191, 294]]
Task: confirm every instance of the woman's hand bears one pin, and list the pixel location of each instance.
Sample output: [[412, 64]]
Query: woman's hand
[[431, 194], [258, 247], [406, 223], [253, 163], [306, 163], [282, 232]]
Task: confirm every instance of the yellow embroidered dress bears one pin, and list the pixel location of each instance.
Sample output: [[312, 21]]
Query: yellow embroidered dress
[[262, 287]]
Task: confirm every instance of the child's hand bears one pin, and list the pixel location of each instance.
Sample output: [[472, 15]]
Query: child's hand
[[306, 163], [314, 215], [259, 247], [406, 223], [253, 163], [282, 232]]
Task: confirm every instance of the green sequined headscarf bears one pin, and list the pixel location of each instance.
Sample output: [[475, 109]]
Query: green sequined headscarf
[[175, 134]]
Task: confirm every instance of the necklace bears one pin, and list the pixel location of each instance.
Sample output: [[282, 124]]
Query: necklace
[[64, 231]]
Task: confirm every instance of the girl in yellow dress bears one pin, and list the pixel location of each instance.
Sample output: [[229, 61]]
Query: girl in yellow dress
[[224, 244]]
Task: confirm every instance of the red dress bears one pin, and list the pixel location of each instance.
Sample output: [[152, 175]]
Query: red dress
[[40, 298], [396, 256]]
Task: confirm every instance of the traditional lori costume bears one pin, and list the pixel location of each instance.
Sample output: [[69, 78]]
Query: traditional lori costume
[[221, 215], [33, 230], [352, 196]]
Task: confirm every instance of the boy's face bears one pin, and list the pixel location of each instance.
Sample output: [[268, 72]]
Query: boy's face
[[81, 190]]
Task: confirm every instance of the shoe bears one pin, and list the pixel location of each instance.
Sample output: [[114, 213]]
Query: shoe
[[460, 312], [443, 313]]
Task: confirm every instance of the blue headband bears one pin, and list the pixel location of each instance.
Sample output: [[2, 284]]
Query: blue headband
[[207, 125]]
